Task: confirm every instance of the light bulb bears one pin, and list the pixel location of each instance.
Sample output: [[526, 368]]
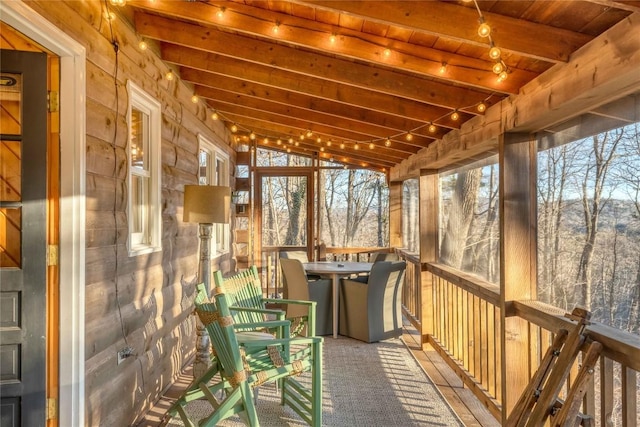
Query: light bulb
[[297, 143], [482, 107], [409, 136], [118, 2], [432, 128], [319, 140], [498, 67], [195, 99], [234, 128], [288, 150], [443, 68], [169, 76], [290, 140], [502, 76], [142, 45], [278, 142], [275, 28], [372, 145], [252, 136], [215, 116], [342, 145], [332, 38], [266, 140], [387, 52], [309, 134], [455, 116], [301, 136], [220, 12], [494, 53], [387, 142], [322, 149], [109, 16], [329, 142], [356, 146], [484, 30]]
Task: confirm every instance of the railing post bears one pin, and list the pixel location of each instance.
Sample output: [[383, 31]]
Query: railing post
[[518, 237], [395, 214], [429, 191]]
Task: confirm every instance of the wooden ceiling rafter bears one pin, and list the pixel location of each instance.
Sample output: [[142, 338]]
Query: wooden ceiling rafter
[[381, 78]]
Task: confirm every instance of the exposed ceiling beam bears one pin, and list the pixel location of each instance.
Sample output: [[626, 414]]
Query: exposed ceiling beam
[[356, 103], [525, 38], [307, 63], [315, 35]]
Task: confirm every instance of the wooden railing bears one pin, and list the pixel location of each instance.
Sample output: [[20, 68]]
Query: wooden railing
[[464, 328]]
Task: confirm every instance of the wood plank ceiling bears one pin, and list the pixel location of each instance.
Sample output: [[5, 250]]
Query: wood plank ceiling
[[363, 83]]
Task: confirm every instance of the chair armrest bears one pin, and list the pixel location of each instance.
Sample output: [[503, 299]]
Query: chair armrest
[[284, 341], [290, 301], [283, 325], [276, 312]]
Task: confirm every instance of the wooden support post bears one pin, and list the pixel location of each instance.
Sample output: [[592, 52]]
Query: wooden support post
[[517, 159], [429, 191]]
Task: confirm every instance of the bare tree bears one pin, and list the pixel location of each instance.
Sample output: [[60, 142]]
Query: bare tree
[[463, 204], [595, 179]]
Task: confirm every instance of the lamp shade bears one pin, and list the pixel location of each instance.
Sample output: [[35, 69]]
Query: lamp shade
[[206, 204]]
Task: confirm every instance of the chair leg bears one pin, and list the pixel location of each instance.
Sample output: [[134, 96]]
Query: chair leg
[[316, 386]]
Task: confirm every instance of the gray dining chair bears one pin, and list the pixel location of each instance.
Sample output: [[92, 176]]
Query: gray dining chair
[[300, 256], [297, 286], [371, 311]]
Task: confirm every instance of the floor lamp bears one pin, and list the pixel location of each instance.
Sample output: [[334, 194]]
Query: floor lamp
[[205, 205]]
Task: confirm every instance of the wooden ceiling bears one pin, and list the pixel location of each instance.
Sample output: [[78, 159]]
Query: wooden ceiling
[[365, 83]]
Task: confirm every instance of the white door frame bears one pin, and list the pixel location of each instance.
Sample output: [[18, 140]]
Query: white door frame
[[72, 201]]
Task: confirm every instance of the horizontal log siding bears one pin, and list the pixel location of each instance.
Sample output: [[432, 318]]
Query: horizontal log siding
[[145, 299]]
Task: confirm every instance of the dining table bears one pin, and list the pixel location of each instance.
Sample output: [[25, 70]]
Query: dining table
[[335, 270]]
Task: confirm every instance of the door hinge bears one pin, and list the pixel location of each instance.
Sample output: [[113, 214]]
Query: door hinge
[[52, 255], [52, 408], [54, 101]]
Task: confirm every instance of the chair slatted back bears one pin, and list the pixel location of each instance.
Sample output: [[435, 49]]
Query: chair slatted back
[[244, 290]]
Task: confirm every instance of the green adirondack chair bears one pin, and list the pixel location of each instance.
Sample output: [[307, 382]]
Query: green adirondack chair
[[248, 304]]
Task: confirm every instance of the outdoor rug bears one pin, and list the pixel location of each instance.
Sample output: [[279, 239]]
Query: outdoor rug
[[378, 384]]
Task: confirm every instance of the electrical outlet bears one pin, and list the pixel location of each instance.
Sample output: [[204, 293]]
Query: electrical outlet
[[124, 353]]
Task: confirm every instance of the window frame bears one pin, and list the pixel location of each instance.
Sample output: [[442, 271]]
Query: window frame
[[150, 240], [213, 176]]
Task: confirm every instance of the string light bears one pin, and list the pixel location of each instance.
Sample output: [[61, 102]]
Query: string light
[[220, 12], [118, 2], [502, 76], [214, 115], [372, 145], [387, 52], [319, 140], [494, 53], [278, 142], [169, 76], [234, 128], [301, 136], [266, 140], [498, 67], [297, 143], [482, 107], [288, 150], [322, 149], [409, 136], [195, 99], [109, 16], [329, 142], [455, 116], [356, 146], [332, 38], [252, 136], [484, 30], [342, 145], [142, 45], [276, 27], [443, 68], [387, 142], [290, 140], [432, 128], [309, 134]]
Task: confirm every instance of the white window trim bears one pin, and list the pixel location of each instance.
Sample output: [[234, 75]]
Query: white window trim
[[147, 104], [206, 144]]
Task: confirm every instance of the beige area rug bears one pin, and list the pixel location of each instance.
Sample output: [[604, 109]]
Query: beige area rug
[[370, 385]]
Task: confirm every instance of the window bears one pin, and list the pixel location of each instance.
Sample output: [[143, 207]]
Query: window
[[143, 151], [469, 222], [214, 170]]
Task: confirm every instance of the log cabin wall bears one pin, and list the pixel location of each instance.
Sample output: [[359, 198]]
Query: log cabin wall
[[145, 298]]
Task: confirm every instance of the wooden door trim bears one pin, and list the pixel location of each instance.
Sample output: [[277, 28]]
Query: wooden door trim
[[72, 202]]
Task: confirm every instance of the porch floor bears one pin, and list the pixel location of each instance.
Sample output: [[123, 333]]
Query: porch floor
[[461, 400]]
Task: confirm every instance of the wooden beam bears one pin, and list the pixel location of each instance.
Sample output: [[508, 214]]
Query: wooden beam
[[601, 72], [361, 104], [307, 63], [358, 45], [525, 38], [518, 236]]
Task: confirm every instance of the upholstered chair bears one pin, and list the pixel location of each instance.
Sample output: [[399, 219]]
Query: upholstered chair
[[371, 311]]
